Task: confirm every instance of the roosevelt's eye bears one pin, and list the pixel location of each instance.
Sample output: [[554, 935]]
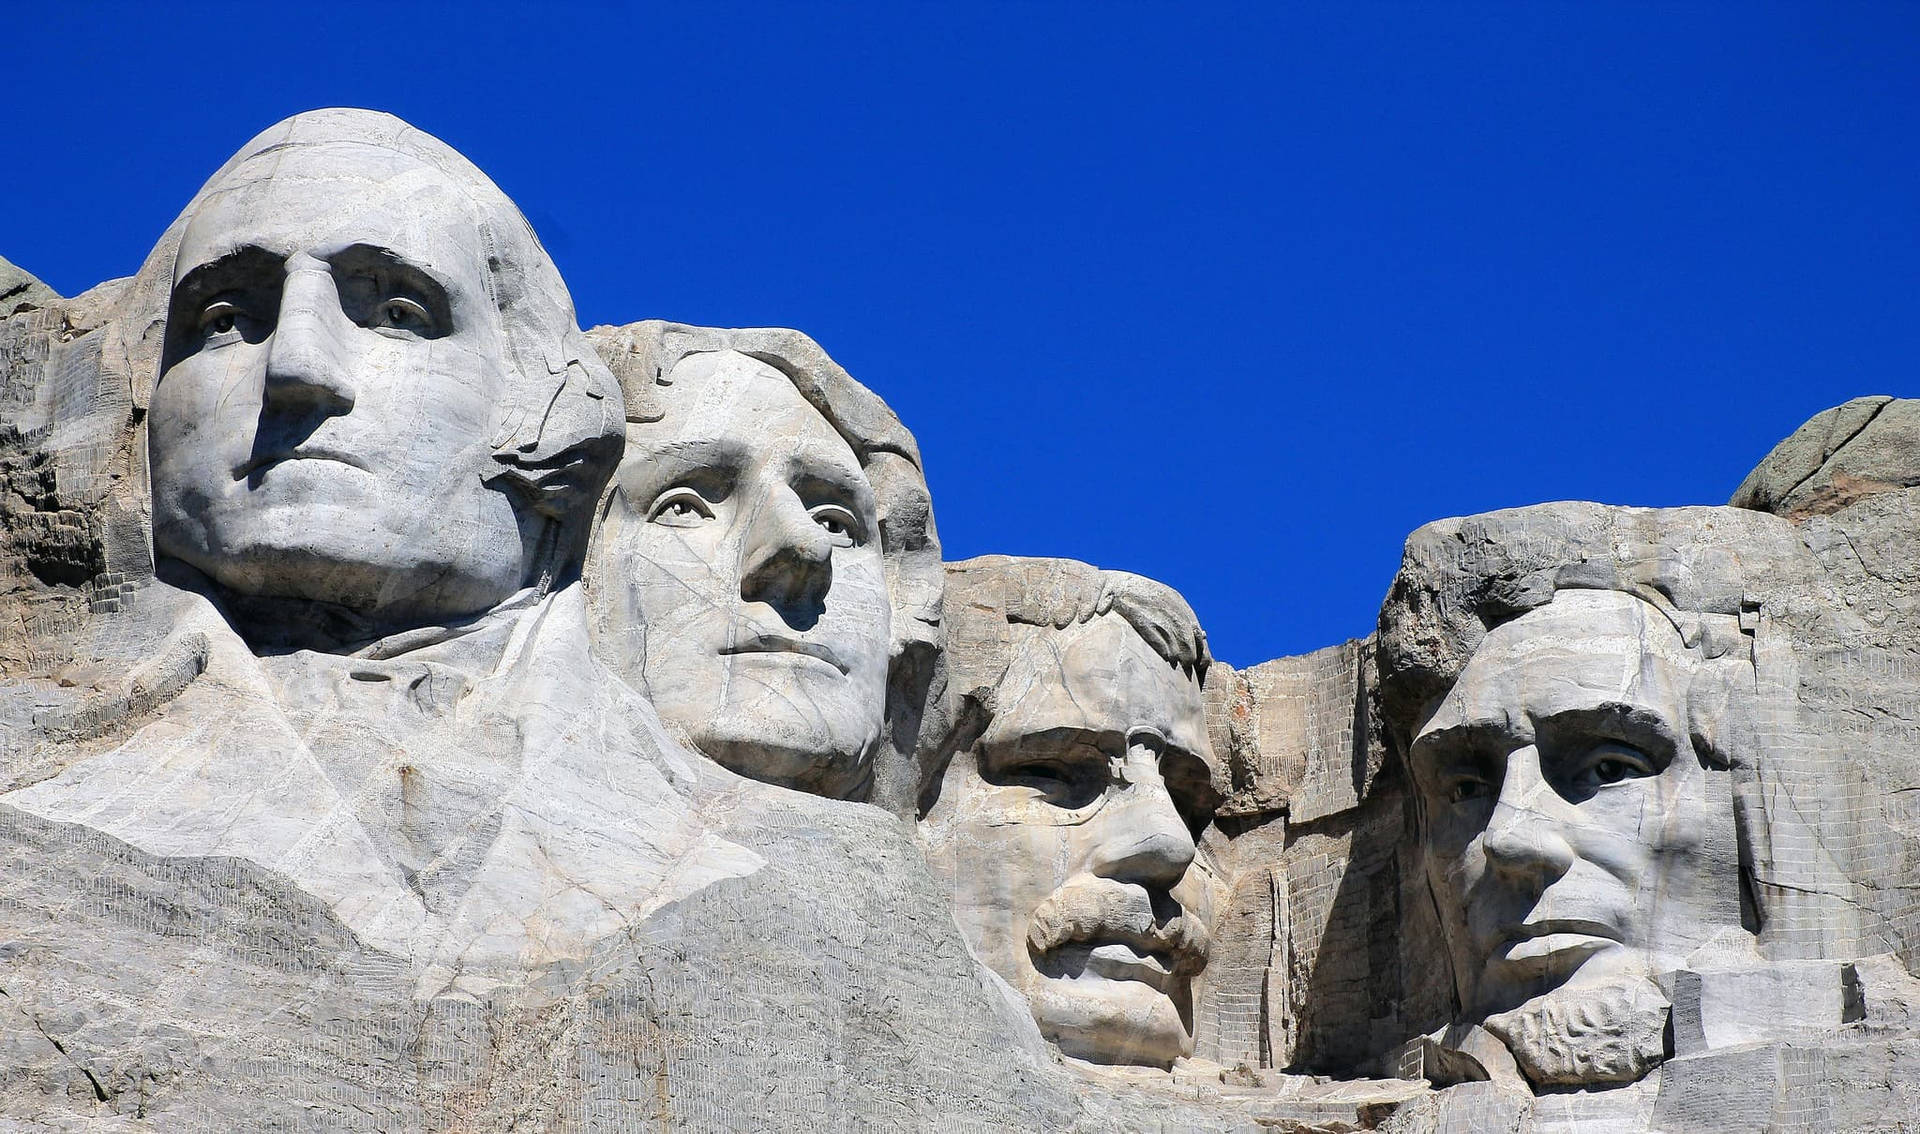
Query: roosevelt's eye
[[679, 508], [1071, 777], [403, 314], [839, 523], [219, 318], [1611, 763]]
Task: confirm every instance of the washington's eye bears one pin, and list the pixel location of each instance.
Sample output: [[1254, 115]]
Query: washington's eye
[[403, 314], [1614, 763], [838, 523], [679, 508], [219, 318], [1466, 788]]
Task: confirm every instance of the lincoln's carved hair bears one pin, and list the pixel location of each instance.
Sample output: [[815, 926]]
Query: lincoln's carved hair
[[561, 425], [643, 356]]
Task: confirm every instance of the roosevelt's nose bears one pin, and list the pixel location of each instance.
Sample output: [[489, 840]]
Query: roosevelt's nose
[[786, 559], [1142, 836], [309, 356], [1525, 838]]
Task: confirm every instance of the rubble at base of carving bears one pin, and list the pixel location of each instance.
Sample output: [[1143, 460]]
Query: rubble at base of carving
[[418, 713]]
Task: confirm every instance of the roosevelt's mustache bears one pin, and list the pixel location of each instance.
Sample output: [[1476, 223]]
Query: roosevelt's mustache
[[1099, 910]]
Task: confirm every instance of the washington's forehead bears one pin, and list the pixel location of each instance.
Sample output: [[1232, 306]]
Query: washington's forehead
[[299, 203]]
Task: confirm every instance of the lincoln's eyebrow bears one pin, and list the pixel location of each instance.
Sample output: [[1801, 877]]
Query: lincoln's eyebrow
[[1477, 733], [1641, 726], [1063, 736]]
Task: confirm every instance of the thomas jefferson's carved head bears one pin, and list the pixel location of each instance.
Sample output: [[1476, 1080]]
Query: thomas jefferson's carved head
[[760, 569]]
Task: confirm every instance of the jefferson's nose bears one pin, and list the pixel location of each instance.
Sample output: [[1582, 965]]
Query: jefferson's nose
[[786, 559], [1525, 839], [309, 356], [1143, 838]]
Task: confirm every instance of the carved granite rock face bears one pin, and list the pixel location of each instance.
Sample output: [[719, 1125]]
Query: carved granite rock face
[[762, 566], [742, 568], [1067, 821], [1574, 834], [374, 757], [361, 341]]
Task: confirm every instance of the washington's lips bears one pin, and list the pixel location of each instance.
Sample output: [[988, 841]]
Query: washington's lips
[[781, 644], [298, 453]]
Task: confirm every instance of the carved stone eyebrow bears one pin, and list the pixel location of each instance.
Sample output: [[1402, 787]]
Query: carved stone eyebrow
[[205, 280], [416, 279], [1639, 726]]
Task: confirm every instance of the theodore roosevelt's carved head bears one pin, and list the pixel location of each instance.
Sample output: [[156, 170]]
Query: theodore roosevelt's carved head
[[1068, 815], [372, 392], [756, 562]]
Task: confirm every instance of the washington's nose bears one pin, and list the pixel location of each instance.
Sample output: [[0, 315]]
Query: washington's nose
[[786, 560], [309, 365], [1145, 839], [1524, 837]]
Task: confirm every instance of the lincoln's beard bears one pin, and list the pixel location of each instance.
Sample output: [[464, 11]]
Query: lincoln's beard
[[1591, 1034]]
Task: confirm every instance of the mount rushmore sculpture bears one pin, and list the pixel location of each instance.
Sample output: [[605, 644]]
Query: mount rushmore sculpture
[[421, 714]]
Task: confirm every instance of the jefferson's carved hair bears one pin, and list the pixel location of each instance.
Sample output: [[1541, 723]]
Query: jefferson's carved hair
[[643, 355]]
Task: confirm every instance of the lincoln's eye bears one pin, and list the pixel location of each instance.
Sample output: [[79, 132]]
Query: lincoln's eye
[[1612, 763], [219, 318]]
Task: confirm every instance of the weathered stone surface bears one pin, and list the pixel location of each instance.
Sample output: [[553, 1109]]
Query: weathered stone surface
[[19, 291], [1840, 455], [418, 714]]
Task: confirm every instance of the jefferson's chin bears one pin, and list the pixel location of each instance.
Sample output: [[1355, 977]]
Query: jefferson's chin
[[1102, 1020]]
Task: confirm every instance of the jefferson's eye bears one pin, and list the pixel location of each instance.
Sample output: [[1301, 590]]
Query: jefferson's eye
[[219, 317], [679, 508], [838, 523], [403, 314]]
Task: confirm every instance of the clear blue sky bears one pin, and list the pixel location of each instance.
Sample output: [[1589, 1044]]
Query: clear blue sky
[[1232, 296]]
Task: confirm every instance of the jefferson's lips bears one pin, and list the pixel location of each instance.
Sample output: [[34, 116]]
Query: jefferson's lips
[[301, 453], [779, 644]]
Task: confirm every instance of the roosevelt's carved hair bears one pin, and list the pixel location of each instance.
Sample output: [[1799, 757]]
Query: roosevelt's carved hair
[[642, 357], [988, 594]]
